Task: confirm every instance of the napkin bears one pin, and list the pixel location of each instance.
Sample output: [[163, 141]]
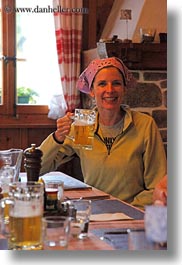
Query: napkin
[[109, 217], [69, 182]]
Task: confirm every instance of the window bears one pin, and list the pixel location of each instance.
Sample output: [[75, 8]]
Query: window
[[27, 35], [0, 57], [37, 67]]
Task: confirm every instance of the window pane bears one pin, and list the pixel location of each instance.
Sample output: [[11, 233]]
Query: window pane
[[37, 65], [0, 55]]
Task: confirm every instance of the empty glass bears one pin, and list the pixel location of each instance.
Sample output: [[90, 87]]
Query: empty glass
[[10, 164], [80, 222], [55, 232]]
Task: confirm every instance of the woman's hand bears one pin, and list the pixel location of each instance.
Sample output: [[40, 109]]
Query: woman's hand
[[160, 192], [63, 127]]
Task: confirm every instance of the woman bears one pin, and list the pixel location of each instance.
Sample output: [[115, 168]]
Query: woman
[[128, 157]]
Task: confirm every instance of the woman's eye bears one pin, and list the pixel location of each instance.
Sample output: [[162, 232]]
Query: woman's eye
[[113, 83], [103, 83], [117, 83]]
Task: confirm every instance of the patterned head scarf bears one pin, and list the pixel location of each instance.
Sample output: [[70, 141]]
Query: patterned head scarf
[[86, 78]]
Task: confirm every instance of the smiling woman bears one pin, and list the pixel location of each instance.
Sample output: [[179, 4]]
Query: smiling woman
[[126, 143]]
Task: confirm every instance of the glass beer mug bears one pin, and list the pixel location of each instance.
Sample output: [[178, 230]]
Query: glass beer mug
[[25, 210], [82, 133]]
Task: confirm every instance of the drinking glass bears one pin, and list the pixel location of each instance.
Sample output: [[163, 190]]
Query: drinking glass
[[55, 232], [80, 222], [54, 194], [83, 128], [156, 223], [147, 34], [25, 211], [10, 164]]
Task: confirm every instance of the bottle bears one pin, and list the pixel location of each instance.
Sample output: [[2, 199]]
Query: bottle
[[32, 162]]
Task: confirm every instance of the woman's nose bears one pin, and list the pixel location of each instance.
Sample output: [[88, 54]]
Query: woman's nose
[[109, 87]]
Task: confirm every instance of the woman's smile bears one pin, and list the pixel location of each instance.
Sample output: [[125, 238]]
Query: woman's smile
[[110, 99]]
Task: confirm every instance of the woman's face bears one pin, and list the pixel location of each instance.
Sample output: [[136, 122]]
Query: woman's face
[[108, 89]]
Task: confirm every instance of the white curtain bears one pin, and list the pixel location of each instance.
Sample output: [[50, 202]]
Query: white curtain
[[68, 29]]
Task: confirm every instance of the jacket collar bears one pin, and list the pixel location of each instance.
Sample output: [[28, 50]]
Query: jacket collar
[[128, 120]]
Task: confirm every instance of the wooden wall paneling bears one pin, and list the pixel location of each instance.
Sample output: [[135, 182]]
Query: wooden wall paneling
[[36, 136], [10, 138], [24, 138]]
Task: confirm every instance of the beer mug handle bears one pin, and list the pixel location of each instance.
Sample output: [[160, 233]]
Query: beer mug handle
[[70, 137], [5, 205]]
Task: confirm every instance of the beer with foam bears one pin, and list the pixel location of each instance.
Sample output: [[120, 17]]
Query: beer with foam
[[25, 211], [83, 134], [25, 225], [84, 125]]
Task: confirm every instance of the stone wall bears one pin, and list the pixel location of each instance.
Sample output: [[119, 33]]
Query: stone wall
[[149, 96]]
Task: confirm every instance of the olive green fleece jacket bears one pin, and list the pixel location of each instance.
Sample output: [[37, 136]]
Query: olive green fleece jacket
[[136, 163]]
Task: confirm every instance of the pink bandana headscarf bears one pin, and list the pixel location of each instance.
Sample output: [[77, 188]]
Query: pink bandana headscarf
[[86, 78]]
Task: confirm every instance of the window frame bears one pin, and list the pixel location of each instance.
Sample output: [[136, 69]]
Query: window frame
[[12, 114]]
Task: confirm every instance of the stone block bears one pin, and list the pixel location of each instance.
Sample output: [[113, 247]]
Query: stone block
[[154, 76], [160, 116], [144, 95]]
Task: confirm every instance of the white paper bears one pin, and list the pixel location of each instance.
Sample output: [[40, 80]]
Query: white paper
[[109, 217]]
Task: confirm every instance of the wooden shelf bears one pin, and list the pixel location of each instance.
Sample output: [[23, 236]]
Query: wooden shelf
[[136, 56]]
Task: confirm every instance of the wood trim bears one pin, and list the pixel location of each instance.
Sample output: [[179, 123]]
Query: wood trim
[[27, 117], [8, 41], [27, 121], [28, 109]]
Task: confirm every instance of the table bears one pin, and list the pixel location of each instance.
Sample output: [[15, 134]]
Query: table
[[101, 203]]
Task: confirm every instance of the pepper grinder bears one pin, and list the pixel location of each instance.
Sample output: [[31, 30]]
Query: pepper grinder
[[32, 162]]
